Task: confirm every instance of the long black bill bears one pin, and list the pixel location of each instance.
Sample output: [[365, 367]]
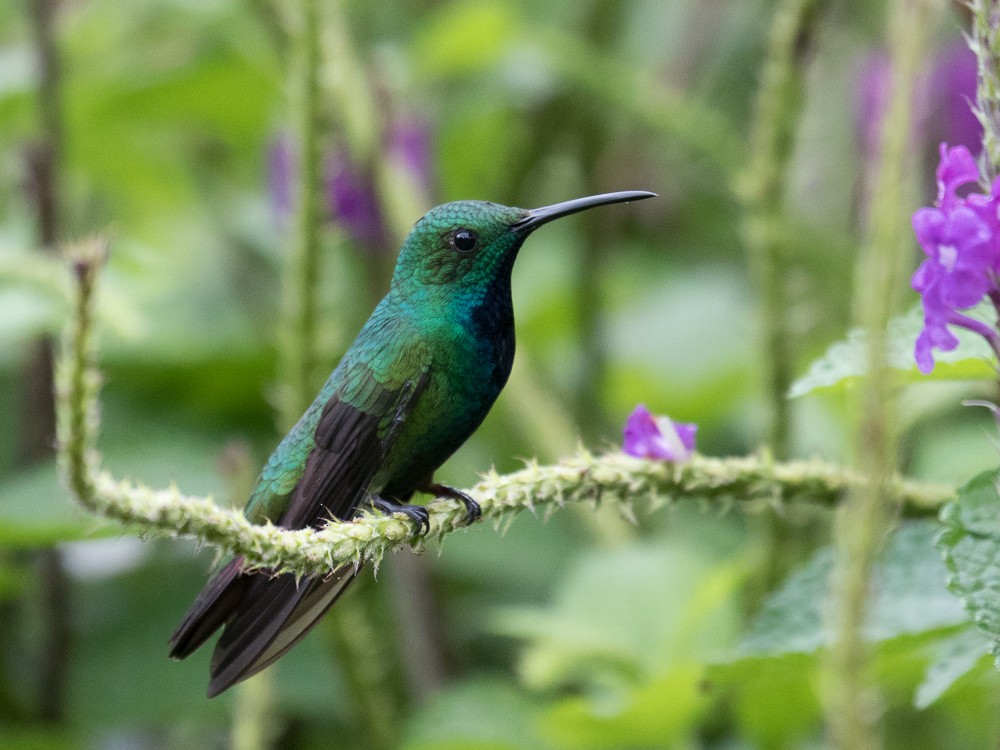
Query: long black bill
[[544, 215]]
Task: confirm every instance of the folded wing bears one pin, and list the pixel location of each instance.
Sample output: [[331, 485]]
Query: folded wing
[[265, 615]]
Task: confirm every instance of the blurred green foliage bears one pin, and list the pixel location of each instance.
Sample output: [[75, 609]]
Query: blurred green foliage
[[579, 632]]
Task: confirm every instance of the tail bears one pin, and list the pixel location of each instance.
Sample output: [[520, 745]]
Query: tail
[[263, 616], [210, 610]]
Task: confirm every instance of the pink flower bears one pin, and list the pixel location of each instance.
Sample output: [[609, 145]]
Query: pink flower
[[646, 436]]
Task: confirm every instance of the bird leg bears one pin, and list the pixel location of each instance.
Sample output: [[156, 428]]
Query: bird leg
[[416, 513], [472, 510]]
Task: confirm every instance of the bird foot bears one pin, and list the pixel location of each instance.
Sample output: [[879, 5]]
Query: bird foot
[[472, 510], [416, 513]]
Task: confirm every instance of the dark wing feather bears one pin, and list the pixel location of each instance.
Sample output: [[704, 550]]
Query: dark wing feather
[[265, 615], [282, 612], [348, 452], [210, 610]]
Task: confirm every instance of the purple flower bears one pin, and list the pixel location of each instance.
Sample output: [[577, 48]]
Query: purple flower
[[956, 169], [951, 88], [352, 198], [409, 146], [353, 201], [942, 94], [961, 238], [646, 436]]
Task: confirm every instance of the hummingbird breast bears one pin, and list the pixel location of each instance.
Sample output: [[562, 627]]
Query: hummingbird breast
[[472, 352]]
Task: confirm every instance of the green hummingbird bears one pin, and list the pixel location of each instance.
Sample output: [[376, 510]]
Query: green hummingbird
[[417, 381]]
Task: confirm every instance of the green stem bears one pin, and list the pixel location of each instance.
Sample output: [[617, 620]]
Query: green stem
[[608, 79], [37, 425], [588, 406], [297, 338], [302, 271], [985, 42], [366, 672], [852, 703], [76, 380], [763, 190], [254, 725], [374, 718]]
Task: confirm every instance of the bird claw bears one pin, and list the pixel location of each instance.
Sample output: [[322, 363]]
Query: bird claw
[[416, 513], [472, 510]]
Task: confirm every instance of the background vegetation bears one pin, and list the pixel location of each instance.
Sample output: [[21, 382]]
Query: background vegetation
[[170, 127]]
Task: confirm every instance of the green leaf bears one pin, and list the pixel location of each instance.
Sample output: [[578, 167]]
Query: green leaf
[[38, 738], [707, 380], [35, 297], [659, 714], [910, 598], [846, 361], [775, 701], [121, 676], [971, 547], [686, 611], [477, 714], [14, 580], [478, 126], [957, 656], [36, 510], [464, 37]]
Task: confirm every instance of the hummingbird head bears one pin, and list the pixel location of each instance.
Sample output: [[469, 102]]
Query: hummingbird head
[[470, 244]]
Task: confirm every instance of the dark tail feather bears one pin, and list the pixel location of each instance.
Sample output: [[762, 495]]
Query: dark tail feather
[[272, 616], [214, 605]]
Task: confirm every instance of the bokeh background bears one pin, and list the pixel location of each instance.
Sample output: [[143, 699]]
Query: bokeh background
[[166, 127]]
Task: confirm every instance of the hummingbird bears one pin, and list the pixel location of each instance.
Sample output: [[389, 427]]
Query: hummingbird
[[416, 382]]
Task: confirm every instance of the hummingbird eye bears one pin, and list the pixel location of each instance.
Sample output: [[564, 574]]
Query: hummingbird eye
[[464, 240]]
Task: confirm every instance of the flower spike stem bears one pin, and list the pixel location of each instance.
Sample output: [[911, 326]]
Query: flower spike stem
[[301, 274], [299, 363], [852, 703], [76, 381], [762, 188], [753, 481], [985, 43]]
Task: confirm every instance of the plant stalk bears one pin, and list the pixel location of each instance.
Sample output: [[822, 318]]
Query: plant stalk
[[853, 706]]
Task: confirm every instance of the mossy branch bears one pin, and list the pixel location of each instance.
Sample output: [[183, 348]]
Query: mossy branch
[[585, 477]]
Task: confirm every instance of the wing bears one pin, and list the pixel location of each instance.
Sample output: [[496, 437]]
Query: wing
[[350, 443], [210, 610], [349, 433]]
